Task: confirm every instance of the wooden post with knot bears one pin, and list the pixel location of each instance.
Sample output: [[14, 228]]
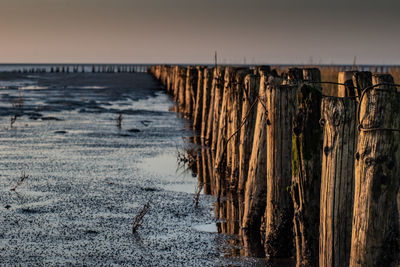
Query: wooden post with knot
[[375, 233]]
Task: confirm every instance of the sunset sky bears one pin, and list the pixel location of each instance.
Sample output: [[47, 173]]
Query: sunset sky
[[186, 31]]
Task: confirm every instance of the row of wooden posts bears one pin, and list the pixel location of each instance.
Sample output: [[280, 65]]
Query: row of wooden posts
[[86, 68], [318, 171]]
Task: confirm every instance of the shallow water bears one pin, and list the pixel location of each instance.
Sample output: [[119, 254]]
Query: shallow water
[[87, 179]]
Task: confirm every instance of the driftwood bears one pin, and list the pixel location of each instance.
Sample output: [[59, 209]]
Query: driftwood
[[375, 219]]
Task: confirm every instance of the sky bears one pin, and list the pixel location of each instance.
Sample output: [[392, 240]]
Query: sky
[[187, 31]]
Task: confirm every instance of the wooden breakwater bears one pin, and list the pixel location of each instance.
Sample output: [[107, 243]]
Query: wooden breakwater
[[82, 68], [303, 174]]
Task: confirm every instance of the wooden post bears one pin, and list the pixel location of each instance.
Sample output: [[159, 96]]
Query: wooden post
[[346, 77], [176, 83], [375, 218], [190, 92], [207, 103], [337, 181], [306, 167], [234, 122], [256, 184], [279, 210], [182, 88], [249, 109], [220, 152], [218, 88], [362, 80], [198, 106]]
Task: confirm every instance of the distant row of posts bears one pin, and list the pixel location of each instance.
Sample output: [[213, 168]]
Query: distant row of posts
[[86, 68]]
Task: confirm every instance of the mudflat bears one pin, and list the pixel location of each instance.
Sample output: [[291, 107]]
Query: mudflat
[[86, 178]]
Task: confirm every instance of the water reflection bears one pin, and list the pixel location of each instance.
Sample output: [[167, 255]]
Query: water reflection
[[229, 205], [228, 208]]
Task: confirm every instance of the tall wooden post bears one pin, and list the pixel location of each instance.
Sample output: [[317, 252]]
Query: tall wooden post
[[175, 86], [218, 87], [198, 106], [256, 184], [362, 80], [279, 210], [182, 89], [249, 116], [346, 78], [306, 166], [337, 181], [208, 97], [220, 152], [235, 121], [375, 218], [190, 92]]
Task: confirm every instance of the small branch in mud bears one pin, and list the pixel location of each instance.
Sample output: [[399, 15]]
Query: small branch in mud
[[21, 179], [119, 121], [17, 105], [13, 120], [187, 157], [197, 195], [139, 217]]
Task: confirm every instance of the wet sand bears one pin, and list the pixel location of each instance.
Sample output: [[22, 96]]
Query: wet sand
[[87, 179]]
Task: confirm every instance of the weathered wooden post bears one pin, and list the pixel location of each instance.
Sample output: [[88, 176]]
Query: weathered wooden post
[[218, 88], [234, 125], [306, 168], [337, 181], [279, 210], [190, 92], [256, 184], [375, 234], [249, 117], [221, 149], [182, 88], [346, 78], [175, 83], [198, 106], [362, 80], [207, 103]]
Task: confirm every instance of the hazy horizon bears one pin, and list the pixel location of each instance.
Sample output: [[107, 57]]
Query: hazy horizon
[[179, 31]]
